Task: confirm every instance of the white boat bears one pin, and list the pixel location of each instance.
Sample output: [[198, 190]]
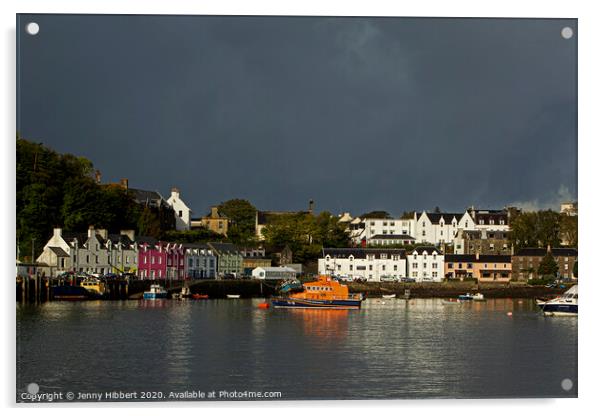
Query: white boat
[[233, 296], [565, 305], [155, 292], [389, 296]]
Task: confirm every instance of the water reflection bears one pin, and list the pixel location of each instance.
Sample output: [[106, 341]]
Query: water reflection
[[390, 348]]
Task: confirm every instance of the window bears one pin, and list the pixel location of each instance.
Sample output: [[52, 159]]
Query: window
[[424, 265], [451, 265], [395, 267], [414, 265], [491, 222], [434, 274], [180, 213], [434, 265], [370, 267], [465, 224], [383, 256], [384, 267], [423, 233], [481, 222], [502, 222], [351, 267], [469, 266]]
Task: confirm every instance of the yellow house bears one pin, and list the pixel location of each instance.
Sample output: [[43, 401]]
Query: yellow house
[[484, 268], [215, 221]]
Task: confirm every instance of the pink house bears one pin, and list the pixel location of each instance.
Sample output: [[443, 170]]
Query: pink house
[[175, 261], [161, 260]]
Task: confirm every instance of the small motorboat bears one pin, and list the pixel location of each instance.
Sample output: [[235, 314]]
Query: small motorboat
[[185, 293], [565, 305], [199, 296], [233, 296], [467, 296], [155, 292], [451, 301], [389, 296]]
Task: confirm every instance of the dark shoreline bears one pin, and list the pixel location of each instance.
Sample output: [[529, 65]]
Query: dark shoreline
[[265, 289]]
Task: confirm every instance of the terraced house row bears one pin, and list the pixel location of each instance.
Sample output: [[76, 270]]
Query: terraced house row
[[429, 264], [101, 253]]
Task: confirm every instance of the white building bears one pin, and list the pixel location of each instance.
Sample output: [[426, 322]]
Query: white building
[[426, 264], [273, 273], [200, 262], [368, 228], [181, 210], [491, 220], [439, 228], [371, 264]]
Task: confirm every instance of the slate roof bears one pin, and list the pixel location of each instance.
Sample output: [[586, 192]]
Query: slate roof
[[472, 258], [392, 237], [142, 196], [70, 236], [224, 248], [428, 249], [146, 239], [435, 217], [120, 238], [360, 253], [496, 216], [59, 251], [540, 252]]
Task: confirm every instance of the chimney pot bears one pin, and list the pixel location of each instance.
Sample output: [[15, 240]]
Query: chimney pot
[[124, 183]]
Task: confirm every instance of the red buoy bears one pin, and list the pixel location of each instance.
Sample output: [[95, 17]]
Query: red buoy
[[263, 305]]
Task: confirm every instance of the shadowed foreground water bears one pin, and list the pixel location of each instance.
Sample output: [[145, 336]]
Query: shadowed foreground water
[[388, 349]]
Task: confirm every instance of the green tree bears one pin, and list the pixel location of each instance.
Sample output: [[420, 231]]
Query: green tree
[[548, 266], [242, 216], [148, 224], [569, 229]]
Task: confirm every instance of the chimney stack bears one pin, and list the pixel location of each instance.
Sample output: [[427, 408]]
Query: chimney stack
[[57, 232], [124, 183], [214, 213], [311, 206], [90, 231], [175, 192], [97, 176]]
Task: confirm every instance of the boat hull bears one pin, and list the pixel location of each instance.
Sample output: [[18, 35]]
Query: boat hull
[[555, 309], [73, 293], [291, 303], [152, 296]]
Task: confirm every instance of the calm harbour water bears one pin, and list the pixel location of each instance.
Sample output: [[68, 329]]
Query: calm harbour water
[[388, 349]]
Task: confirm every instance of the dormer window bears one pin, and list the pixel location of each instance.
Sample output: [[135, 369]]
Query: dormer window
[[481, 222], [502, 222], [491, 221]]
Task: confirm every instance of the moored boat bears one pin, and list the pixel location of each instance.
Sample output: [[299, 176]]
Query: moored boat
[[565, 305], [69, 292], [199, 296], [324, 293], [94, 285], [233, 296], [451, 301], [155, 292], [467, 296], [389, 296]]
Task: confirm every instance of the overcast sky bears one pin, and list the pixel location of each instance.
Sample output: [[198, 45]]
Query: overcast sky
[[358, 114]]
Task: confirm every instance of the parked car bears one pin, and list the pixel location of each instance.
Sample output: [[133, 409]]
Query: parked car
[[389, 279], [408, 280], [360, 279]]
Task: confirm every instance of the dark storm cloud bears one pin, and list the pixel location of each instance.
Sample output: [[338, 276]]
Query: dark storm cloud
[[358, 114]]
